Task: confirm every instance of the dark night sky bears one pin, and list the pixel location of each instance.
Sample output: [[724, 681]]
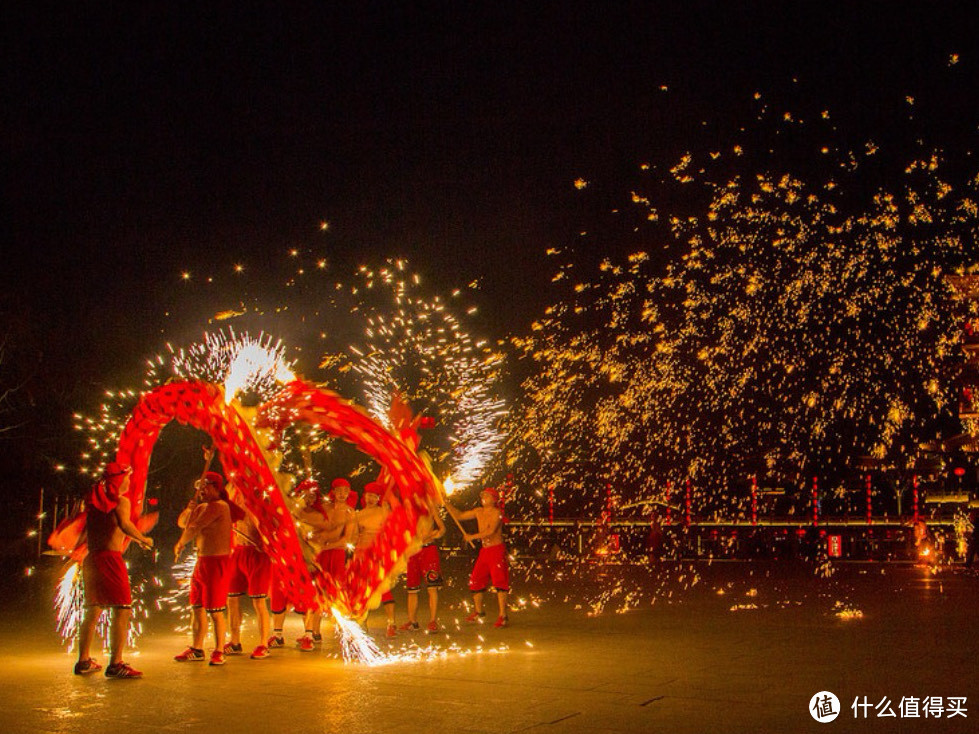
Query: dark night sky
[[140, 139]]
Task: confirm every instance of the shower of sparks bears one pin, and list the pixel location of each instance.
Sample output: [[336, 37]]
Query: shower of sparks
[[778, 325], [419, 347], [239, 362], [69, 608], [177, 599], [357, 646], [68, 604]]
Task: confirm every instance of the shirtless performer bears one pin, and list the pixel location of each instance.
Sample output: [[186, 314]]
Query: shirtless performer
[[207, 522], [332, 538], [312, 512], [250, 574], [425, 565], [370, 520], [491, 564], [108, 523]]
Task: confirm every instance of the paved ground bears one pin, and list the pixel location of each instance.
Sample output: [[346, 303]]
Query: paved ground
[[694, 660]]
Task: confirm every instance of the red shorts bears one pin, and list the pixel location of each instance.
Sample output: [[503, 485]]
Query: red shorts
[[425, 565], [277, 595], [491, 565], [333, 562], [209, 584], [251, 571], [106, 580]]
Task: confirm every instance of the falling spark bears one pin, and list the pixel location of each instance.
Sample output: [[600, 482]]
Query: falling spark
[[177, 599]]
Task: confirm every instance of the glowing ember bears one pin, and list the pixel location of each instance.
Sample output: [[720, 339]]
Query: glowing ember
[[450, 486], [842, 610]]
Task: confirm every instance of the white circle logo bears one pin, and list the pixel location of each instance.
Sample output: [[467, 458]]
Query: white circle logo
[[824, 707]]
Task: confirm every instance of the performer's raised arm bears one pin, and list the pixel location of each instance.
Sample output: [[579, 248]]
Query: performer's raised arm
[[124, 519], [459, 514]]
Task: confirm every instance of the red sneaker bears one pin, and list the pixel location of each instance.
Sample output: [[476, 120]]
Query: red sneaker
[[190, 655], [409, 627], [433, 628], [260, 652], [276, 641], [392, 631], [476, 617], [217, 658], [85, 667], [122, 670], [306, 644], [503, 621]]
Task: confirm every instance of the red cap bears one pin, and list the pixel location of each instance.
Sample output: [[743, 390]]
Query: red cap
[[492, 491], [215, 480], [338, 483], [373, 488], [105, 494]]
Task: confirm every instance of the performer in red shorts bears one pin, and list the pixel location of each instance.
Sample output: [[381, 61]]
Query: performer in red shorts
[[311, 512], [491, 564], [207, 521], [370, 519], [425, 565], [108, 523], [332, 538], [277, 606], [251, 570]]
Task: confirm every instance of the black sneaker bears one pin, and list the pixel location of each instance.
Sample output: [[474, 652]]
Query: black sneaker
[[233, 648], [276, 641], [317, 637]]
